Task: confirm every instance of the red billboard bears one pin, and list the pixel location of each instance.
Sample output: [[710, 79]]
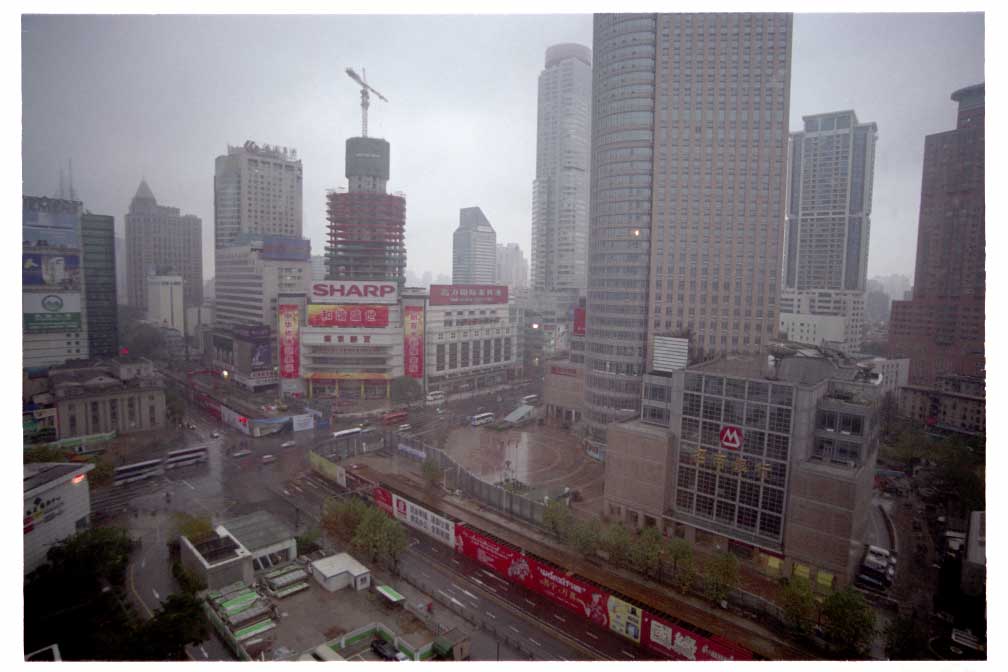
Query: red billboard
[[504, 560], [364, 315], [467, 295], [413, 341], [289, 316], [383, 498], [673, 641], [579, 321], [731, 437]]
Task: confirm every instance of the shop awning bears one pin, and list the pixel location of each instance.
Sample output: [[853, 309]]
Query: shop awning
[[391, 594]]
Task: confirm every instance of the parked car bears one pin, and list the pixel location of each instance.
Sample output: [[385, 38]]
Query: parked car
[[214, 435], [288, 444], [266, 459], [386, 649], [405, 427], [241, 453]]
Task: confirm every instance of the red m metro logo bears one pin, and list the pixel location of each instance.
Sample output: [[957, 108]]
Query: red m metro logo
[[731, 437]]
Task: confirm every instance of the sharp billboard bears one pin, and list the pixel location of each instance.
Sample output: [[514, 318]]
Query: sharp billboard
[[346, 291]]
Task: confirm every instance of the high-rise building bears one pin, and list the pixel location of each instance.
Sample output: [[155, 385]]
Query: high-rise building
[[832, 165], [318, 267], [941, 328], [160, 240], [688, 173], [474, 249], [164, 301], [367, 226], [512, 269], [122, 295], [257, 189], [53, 305], [252, 271], [560, 190], [98, 252]]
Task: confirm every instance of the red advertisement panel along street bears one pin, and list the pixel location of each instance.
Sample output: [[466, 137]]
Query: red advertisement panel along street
[[673, 641]]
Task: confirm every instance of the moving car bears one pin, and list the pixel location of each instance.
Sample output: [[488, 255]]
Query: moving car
[[405, 427], [266, 459], [288, 444], [241, 453], [214, 435]]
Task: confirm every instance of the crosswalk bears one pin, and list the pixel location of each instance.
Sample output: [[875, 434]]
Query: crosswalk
[[113, 499]]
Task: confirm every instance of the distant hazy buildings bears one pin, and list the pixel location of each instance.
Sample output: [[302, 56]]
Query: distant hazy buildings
[[252, 271], [122, 295], [474, 249], [560, 190], [941, 329], [832, 167], [159, 240], [164, 301], [512, 269], [367, 226], [53, 304], [98, 252], [689, 115], [318, 267]]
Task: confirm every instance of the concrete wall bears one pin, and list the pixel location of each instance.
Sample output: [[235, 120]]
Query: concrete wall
[[221, 574], [563, 391], [638, 467], [69, 504]]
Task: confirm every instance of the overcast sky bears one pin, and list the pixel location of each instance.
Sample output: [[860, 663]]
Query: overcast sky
[[161, 96]]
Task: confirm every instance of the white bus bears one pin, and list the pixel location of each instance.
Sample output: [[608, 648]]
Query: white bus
[[138, 472], [346, 433], [481, 419], [186, 456], [436, 397], [530, 399]]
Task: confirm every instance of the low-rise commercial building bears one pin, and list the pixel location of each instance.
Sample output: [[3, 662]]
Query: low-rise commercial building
[[164, 301], [339, 571], [772, 460], [243, 353], [269, 541], [57, 505], [955, 404], [563, 390], [122, 395]]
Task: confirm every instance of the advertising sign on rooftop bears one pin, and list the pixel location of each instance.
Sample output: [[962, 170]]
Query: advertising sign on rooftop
[[285, 248], [354, 315], [467, 295], [51, 272], [44, 313], [354, 291]]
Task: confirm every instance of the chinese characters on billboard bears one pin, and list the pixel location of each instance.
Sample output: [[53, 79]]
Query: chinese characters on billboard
[[466, 295], [45, 313], [413, 342], [347, 316], [579, 321], [289, 340]]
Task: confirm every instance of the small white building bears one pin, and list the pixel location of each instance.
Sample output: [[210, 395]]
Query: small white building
[[269, 540], [164, 301], [57, 505], [339, 571]]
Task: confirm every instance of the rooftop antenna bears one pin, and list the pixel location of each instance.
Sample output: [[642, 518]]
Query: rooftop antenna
[[73, 194], [61, 193], [365, 98]]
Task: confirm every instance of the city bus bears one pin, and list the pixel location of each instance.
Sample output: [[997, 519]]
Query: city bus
[[347, 433], [138, 472], [436, 397], [186, 456], [481, 419], [530, 399], [394, 418]]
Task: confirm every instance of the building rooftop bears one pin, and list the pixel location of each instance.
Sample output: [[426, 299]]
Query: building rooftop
[[798, 366], [258, 530], [39, 474], [334, 565]]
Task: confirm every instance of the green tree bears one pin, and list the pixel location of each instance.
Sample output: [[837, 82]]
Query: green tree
[[103, 470], [340, 518], [188, 581], [583, 536], [405, 390], [616, 541], [144, 340], [557, 518], [192, 527], [179, 622], [44, 454], [721, 577], [379, 536], [906, 639], [646, 551], [308, 542], [685, 574], [432, 472], [798, 603], [849, 622]]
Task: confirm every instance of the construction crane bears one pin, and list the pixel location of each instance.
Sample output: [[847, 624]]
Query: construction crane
[[365, 98]]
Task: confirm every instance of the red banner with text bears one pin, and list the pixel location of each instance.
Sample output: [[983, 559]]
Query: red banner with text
[[290, 339], [328, 315], [413, 341]]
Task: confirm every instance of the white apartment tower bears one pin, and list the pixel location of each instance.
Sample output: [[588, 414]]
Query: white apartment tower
[[832, 165], [560, 190], [688, 180], [474, 249], [512, 269]]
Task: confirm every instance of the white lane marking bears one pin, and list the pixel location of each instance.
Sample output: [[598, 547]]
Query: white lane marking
[[191, 486], [424, 574], [627, 654], [515, 629], [563, 659], [457, 602], [530, 601], [534, 642], [156, 596], [287, 493], [296, 488], [592, 635], [313, 484], [559, 618], [490, 615], [203, 651], [456, 561], [469, 594], [143, 563], [478, 581]]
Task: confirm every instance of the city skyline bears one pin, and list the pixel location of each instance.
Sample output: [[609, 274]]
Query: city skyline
[[484, 116]]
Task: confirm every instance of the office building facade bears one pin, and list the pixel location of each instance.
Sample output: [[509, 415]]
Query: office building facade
[[165, 306], [98, 248], [367, 226], [474, 249], [160, 240], [832, 166], [688, 176], [512, 269], [941, 328], [560, 190], [54, 305]]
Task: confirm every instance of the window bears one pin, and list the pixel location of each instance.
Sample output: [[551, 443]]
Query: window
[[770, 525], [747, 518], [713, 385], [465, 355], [712, 408], [704, 506], [850, 424], [705, 482], [756, 415], [453, 355], [827, 420], [727, 487], [691, 404], [777, 446], [687, 477], [773, 500], [733, 411], [152, 415], [780, 419]]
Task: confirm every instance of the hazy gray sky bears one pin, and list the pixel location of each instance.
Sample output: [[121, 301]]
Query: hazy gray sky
[[161, 96]]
